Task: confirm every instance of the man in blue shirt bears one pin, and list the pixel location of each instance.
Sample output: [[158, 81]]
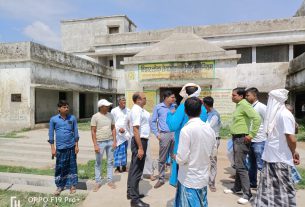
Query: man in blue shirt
[[65, 127], [160, 129]]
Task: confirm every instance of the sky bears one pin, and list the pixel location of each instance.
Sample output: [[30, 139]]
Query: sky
[[39, 20]]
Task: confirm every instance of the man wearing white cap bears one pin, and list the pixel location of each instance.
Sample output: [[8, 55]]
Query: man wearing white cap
[[104, 139], [276, 186]]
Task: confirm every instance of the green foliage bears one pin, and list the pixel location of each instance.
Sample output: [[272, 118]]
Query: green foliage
[[301, 184], [85, 171], [301, 134], [14, 134], [18, 169], [84, 125]]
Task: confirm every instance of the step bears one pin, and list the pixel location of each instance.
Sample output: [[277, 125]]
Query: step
[[38, 181], [34, 146], [27, 179], [41, 154], [45, 143], [32, 162], [27, 164]]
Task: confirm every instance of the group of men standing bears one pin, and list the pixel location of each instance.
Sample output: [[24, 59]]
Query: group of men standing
[[189, 137], [264, 136]]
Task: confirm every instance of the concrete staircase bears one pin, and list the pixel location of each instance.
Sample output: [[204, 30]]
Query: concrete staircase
[[36, 183], [33, 151]]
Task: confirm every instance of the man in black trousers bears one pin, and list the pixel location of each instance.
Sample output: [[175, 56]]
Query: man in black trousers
[[140, 131]]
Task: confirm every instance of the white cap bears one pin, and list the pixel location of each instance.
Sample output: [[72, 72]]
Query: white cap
[[103, 102]]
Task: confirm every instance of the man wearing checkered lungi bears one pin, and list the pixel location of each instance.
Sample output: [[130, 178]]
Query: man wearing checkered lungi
[[276, 186], [120, 115], [66, 133]]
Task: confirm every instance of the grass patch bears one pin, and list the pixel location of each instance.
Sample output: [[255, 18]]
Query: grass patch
[[85, 171], [301, 184], [27, 199], [18, 169], [84, 125], [14, 134]]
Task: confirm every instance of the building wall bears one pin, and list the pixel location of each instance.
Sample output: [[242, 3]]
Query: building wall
[[60, 78], [26, 68], [221, 86], [120, 75], [264, 76], [80, 35], [296, 84], [45, 104], [15, 79]]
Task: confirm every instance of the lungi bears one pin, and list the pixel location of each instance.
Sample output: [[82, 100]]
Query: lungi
[[190, 197], [276, 188], [120, 155], [66, 168]]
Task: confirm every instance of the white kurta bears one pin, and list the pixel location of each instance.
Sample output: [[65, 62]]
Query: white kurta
[[121, 121]]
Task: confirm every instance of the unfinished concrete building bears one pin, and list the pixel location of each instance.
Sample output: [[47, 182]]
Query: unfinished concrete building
[[296, 85], [217, 57], [33, 78]]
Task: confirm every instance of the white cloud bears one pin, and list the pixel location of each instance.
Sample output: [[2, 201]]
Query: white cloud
[[42, 33], [33, 10]]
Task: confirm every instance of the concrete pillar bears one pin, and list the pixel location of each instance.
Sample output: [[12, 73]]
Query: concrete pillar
[[31, 100], [290, 52], [76, 104], [253, 54], [114, 62], [95, 100], [114, 100], [158, 95]]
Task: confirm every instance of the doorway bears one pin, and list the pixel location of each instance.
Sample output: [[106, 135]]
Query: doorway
[[175, 90], [82, 105]]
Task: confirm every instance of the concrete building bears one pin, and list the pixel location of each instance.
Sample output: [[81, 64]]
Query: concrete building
[[246, 54], [296, 85], [105, 57], [33, 78]]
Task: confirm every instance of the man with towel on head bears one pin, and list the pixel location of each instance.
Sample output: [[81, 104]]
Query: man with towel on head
[[177, 119], [276, 186]]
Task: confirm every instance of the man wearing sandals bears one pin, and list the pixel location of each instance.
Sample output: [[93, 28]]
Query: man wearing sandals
[[215, 123], [104, 139], [65, 127]]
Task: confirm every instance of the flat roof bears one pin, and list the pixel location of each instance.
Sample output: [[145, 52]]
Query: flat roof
[[207, 31], [96, 18]]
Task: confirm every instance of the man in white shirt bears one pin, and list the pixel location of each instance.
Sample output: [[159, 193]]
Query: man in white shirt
[[197, 140], [120, 115], [215, 123], [140, 131], [258, 142], [276, 186]]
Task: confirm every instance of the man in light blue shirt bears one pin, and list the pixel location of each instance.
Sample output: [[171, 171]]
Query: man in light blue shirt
[[160, 129], [215, 123]]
